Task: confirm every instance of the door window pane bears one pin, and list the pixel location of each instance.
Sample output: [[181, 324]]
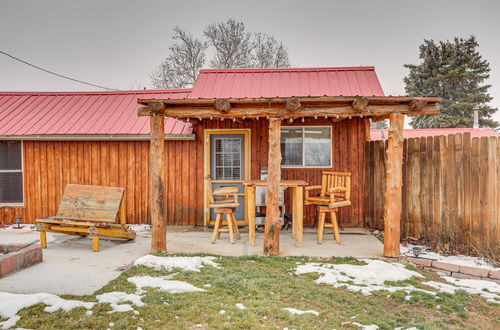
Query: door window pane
[[318, 146], [291, 146], [228, 158]]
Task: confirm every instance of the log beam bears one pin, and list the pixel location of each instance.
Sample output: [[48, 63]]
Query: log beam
[[393, 187], [360, 103], [273, 225], [292, 104], [222, 105], [263, 110], [417, 104], [157, 184]]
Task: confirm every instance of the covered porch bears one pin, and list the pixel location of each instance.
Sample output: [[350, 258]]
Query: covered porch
[[275, 113]]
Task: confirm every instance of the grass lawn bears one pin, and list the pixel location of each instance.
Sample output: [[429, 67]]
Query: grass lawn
[[265, 285]]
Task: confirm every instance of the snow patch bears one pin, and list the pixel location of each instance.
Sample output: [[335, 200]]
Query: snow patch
[[459, 259], [240, 306], [170, 263], [362, 326], [299, 312], [222, 312], [365, 278], [140, 228], [486, 289], [161, 283], [12, 303], [115, 298]]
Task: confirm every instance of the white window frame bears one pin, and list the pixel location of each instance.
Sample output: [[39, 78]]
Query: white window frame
[[16, 171], [304, 149]]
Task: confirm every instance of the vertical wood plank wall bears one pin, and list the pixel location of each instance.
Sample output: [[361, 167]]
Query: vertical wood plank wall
[[450, 190], [50, 165]]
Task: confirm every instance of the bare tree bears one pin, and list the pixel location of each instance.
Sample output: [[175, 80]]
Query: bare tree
[[181, 67], [268, 52], [232, 43]]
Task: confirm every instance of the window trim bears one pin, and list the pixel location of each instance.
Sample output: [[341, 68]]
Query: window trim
[[16, 171], [304, 149]]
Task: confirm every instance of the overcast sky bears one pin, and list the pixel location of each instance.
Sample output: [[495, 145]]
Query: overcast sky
[[119, 43]]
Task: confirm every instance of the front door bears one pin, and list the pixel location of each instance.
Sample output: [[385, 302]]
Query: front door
[[228, 165]]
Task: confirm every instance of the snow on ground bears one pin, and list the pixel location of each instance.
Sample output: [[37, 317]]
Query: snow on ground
[[362, 326], [460, 260], [162, 283], [240, 306], [365, 279], [12, 303], [114, 299], [299, 312], [486, 289], [140, 228], [170, 263]]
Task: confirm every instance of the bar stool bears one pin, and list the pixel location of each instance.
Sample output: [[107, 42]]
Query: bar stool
[[323, 210], [225, 205]]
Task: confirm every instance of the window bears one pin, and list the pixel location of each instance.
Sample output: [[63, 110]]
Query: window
[[306, 146], [228, 159], [11, 173]]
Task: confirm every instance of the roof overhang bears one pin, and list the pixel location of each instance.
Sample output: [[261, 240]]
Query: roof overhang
[[290, 107]]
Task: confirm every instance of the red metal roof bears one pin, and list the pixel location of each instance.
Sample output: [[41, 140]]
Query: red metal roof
[[70, 113], [381, 134], [106, 113], [255, 83]]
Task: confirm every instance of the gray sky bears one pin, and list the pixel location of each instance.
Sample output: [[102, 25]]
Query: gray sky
[[119, 43]]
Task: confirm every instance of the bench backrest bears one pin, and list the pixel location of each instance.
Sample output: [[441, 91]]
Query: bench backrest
[[91, 203]]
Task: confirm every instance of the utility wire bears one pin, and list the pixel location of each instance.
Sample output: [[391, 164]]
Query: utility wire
[[56, 74]]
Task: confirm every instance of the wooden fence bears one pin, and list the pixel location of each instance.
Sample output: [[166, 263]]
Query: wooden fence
[[451, 191]]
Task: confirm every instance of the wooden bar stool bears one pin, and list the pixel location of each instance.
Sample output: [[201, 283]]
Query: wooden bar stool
[[231, 227], [226, 204], [323, 210]]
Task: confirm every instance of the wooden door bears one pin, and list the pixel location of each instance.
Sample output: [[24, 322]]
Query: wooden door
[[228, 164]]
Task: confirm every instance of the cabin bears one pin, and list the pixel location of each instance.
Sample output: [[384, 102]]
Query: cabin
[[219, 128]]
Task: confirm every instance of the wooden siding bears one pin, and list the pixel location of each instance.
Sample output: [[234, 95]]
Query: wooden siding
[[50, 165], [450, 191]]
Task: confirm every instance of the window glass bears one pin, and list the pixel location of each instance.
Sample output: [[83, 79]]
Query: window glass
[[11, 172], [318, 146], [228, 159], [291, 146], [306, 146]]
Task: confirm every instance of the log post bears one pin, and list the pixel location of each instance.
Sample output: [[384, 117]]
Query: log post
[[273, 225], [157, 184], [393, 187]]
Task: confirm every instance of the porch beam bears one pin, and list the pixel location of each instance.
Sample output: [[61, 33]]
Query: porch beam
[[157, 184], [263, 110], [393, 186], [273, 225]]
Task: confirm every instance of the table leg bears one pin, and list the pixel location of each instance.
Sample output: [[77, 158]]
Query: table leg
[[298, 214], [250, 196]]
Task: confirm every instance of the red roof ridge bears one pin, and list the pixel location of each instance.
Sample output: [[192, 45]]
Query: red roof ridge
[[311, 69], [119, 92]]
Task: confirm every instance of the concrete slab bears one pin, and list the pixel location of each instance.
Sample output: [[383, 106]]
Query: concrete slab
[[70, 266]]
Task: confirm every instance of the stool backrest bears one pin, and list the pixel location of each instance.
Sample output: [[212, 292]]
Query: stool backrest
[[331, 180]]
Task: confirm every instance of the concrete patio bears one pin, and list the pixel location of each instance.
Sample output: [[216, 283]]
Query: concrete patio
[[70, 266]]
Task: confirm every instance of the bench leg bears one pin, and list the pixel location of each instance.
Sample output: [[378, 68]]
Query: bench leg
[[95, 243], [43, 239]]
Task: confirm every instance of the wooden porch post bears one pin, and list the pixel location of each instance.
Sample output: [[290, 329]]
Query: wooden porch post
[[157, 184], [272, 227], [393, 186]]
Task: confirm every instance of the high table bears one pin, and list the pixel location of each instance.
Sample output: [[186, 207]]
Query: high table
[[297, 206]]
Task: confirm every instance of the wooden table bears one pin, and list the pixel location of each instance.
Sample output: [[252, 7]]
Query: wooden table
[[297, 206]]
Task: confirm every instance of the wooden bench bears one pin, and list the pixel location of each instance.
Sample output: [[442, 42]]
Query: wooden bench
[[88, 210]]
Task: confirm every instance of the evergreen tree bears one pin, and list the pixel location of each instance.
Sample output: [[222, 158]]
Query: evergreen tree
[[455, 71]]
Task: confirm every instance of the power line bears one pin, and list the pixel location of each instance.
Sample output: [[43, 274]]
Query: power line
[[56, 74]]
